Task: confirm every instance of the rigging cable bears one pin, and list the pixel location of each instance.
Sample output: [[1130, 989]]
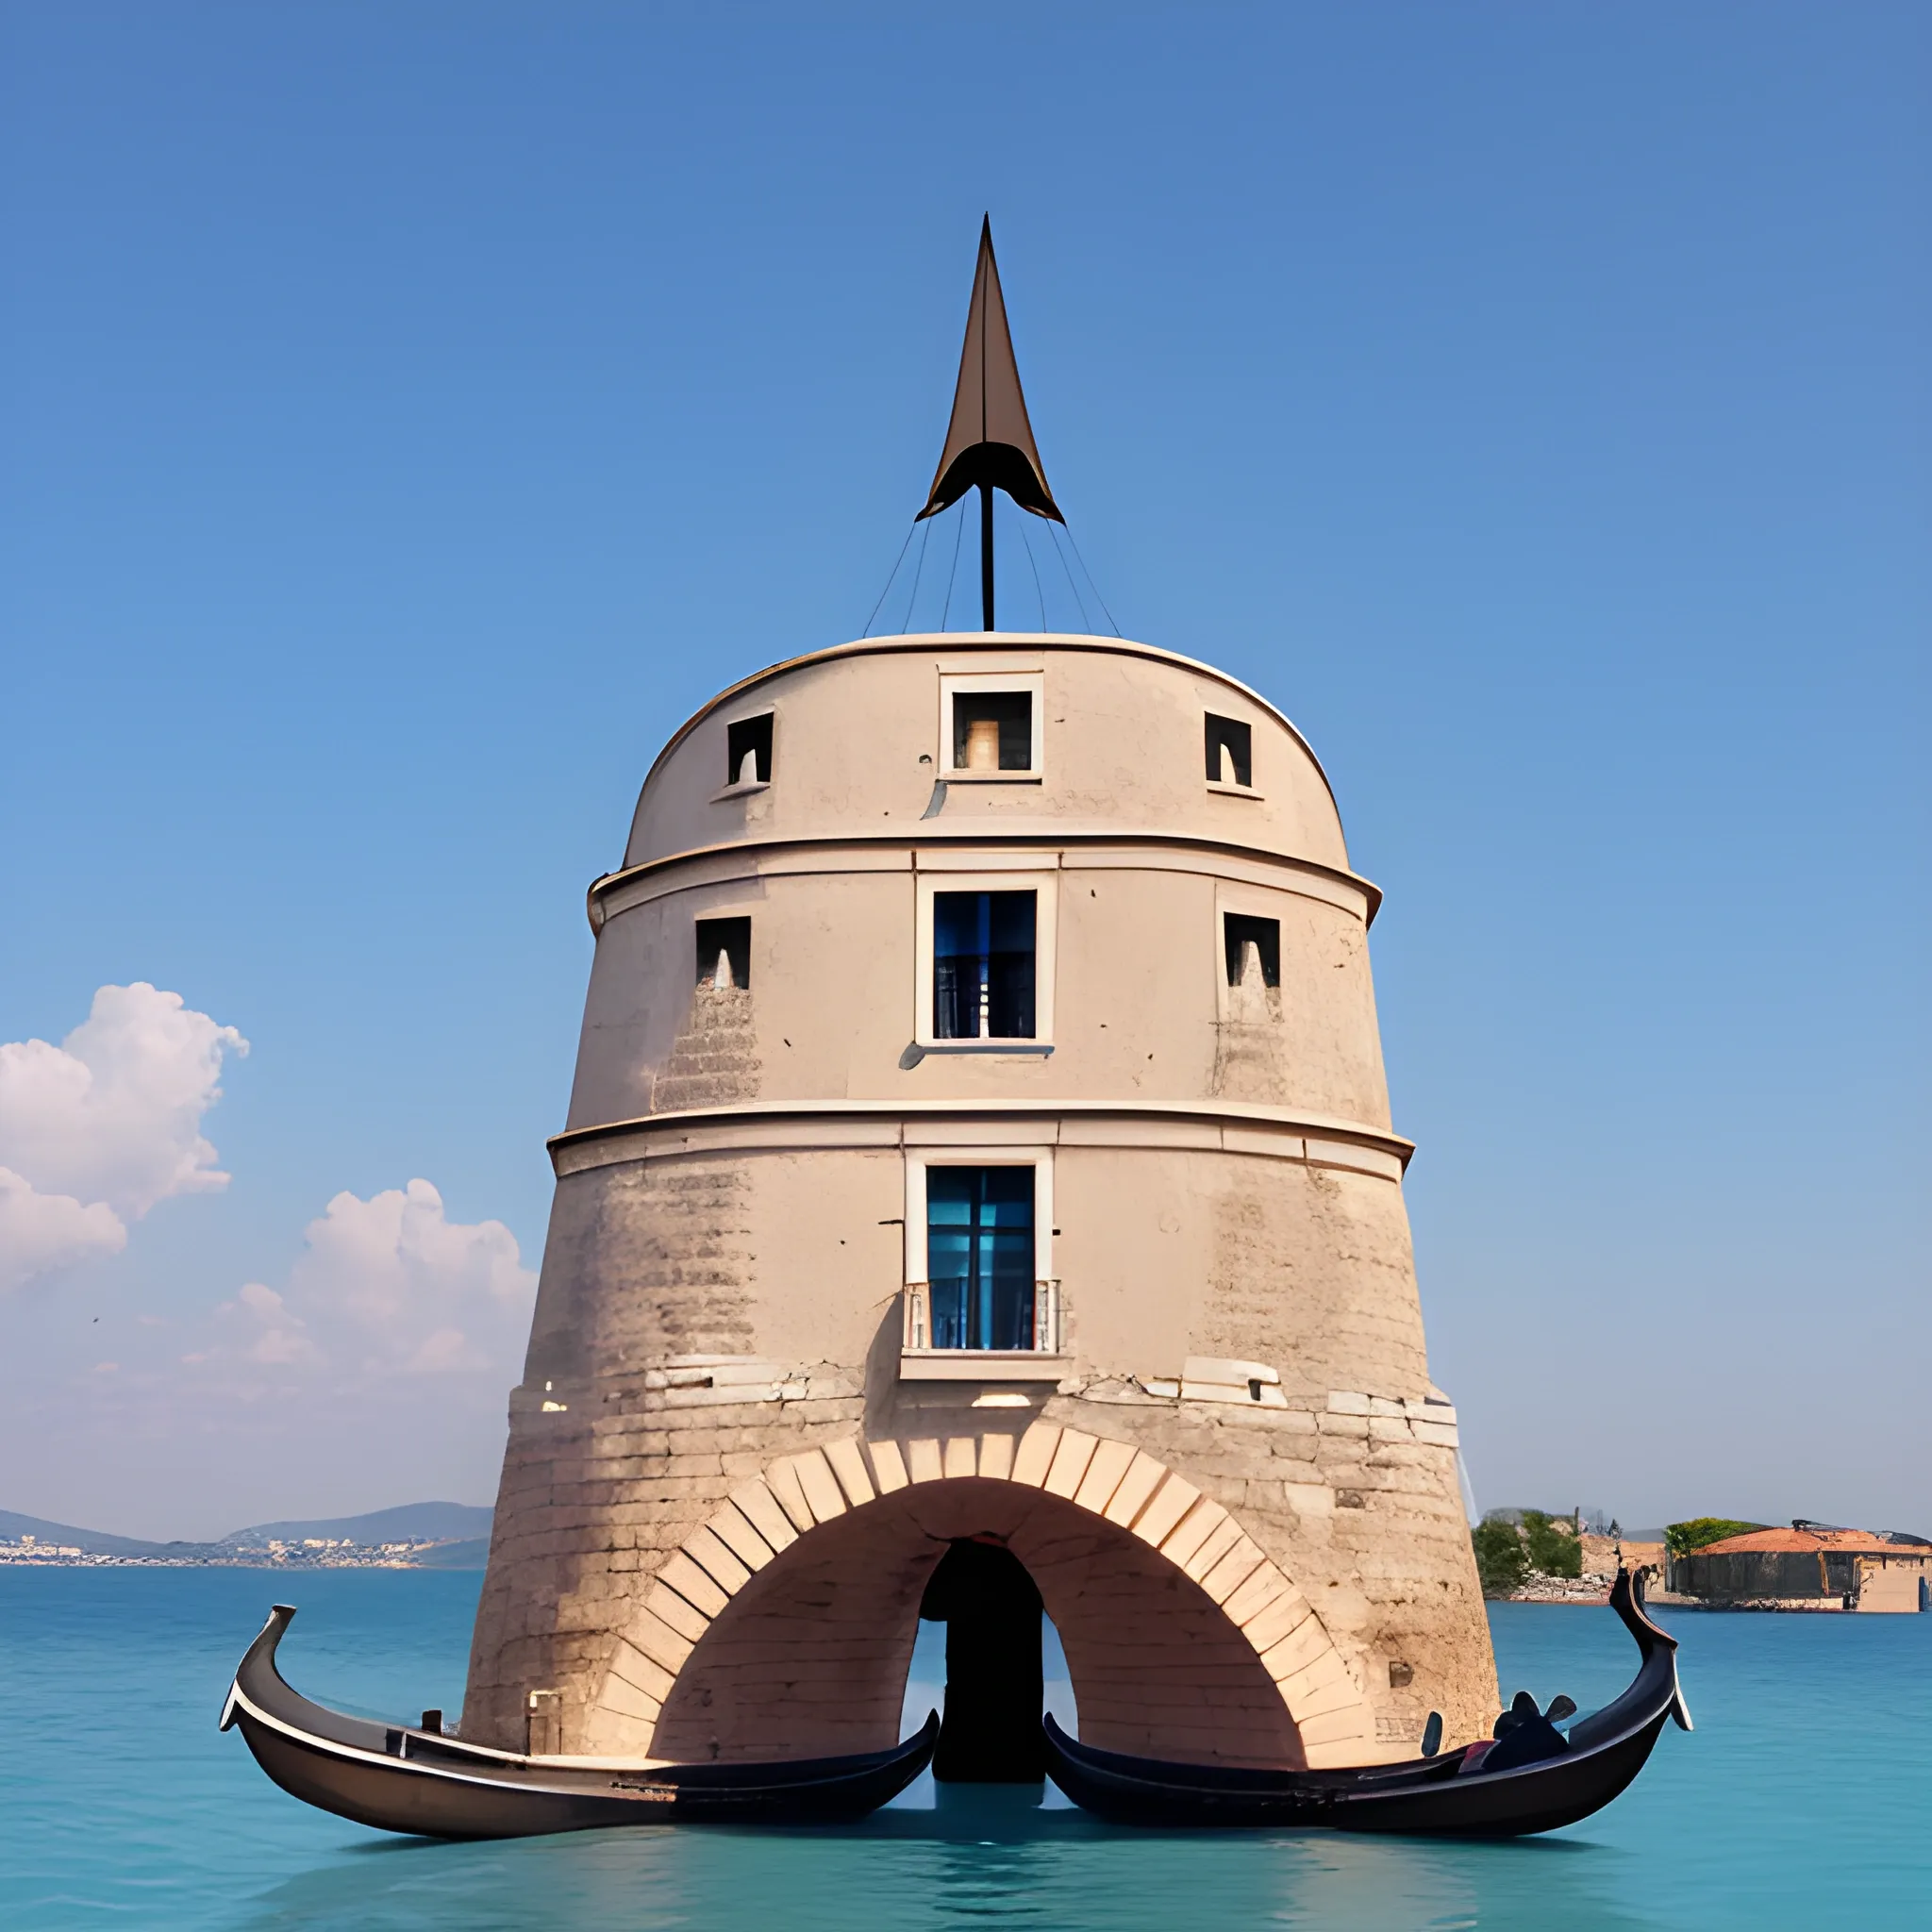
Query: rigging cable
[[917, 569], [894, 572], [959, 531], [1092, 585], [1087, 622], [1036, 590]]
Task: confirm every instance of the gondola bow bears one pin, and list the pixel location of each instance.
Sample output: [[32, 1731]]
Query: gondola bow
[[403, 1778], [1539, 1784]]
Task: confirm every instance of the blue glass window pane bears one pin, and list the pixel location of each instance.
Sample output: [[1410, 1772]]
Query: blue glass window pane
[[979, 1256], [1009, 965], [959, 949], [983, 974]]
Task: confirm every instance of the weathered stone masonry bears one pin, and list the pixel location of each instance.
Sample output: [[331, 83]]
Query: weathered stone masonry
[[726, 1485]]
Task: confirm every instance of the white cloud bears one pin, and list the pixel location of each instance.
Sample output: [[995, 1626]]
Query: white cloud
[[391, 1286], [95, 1131], [40, 1232], [279, 1338]]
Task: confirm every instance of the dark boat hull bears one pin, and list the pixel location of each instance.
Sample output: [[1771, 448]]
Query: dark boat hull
[[1447, 1796], [401, 1779]]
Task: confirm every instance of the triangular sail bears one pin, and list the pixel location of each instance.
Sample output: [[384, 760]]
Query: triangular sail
[[990, 439]]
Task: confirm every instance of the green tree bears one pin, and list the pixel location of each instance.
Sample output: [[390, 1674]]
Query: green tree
[[1682, 1537], [1500, 1561], [1552, 1544]]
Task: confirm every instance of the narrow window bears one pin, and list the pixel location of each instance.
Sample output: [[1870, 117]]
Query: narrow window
[[979, 1256], [1252, 946], [982, 965], [1230, 752], [993, 731], [748, 751], [723, 952]]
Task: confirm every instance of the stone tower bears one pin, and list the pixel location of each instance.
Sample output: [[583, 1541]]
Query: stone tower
[[980, 1130]]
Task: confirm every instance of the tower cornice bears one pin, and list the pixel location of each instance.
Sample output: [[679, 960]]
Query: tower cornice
[[1047, 835], [1224, 1126]]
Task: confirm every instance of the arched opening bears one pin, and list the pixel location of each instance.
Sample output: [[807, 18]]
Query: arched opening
[[991, 1609], [810, 1655]]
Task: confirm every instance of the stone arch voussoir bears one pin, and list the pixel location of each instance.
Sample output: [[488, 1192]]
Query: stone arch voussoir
[[1113, 1480]]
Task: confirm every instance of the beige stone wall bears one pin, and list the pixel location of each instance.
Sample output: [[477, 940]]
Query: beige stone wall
[[1142, 1007], [858, 746], [1890, 1585], [722, 1286], [1283, 1600]]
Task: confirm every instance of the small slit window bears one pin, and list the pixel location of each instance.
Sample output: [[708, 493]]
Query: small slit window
[[983, 965], [993, 731], [748, 751], [724, 951], [1230, 754], [1251, 944]]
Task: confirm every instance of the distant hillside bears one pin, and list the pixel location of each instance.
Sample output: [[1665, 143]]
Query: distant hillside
[[408, 1522], [460, 1529], [16, 1528]]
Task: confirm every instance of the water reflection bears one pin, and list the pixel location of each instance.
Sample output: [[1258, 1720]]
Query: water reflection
[[992, 1853]]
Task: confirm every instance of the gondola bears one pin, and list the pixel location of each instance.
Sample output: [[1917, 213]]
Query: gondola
[[1529, 1778], [422, 1781]]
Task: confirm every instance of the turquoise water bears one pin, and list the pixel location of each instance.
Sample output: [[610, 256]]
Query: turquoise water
[[1803, 1799]]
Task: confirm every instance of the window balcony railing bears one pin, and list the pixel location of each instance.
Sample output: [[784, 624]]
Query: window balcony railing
[[1043, 1362]]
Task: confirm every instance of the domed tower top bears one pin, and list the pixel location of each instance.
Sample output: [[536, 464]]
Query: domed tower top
[[1010, 734]]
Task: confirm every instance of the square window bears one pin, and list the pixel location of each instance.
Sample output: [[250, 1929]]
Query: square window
[[993, 731], [983, 956], [1251, 944], [991, 728], [1231, 752], [748, 751], [984, 948], [980, 1256], [723, 952]]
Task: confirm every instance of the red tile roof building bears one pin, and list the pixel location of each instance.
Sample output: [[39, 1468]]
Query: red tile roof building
[[1811, 1566]]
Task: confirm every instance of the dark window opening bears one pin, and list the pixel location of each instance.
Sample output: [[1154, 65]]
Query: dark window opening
[[982, 965], [979, 1256], [1238, 932], [1231, 752], [749, 739], [723, 952], [993, 731]]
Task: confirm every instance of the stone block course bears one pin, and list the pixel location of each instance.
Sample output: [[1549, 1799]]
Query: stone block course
[[1165, 1509]]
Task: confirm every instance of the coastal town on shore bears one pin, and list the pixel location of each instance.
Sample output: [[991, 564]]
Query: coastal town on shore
[[309, 1553], [1530, 1555], [414, 1536]]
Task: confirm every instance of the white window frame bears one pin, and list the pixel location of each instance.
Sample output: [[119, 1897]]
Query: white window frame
[[971, 684], [1041, 881], [919, 1361]]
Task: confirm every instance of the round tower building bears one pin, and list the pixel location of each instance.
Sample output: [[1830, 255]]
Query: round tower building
[[979, 1131]]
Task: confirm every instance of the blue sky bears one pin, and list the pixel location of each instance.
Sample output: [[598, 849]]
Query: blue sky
[[415, 411]]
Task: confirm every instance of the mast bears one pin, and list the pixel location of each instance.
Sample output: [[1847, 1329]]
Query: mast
[[986, 558], [990, 441]]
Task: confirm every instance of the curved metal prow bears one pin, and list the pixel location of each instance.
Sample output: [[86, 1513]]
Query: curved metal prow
[[1657, 1672], [1626, 1599], [260, 1655]]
